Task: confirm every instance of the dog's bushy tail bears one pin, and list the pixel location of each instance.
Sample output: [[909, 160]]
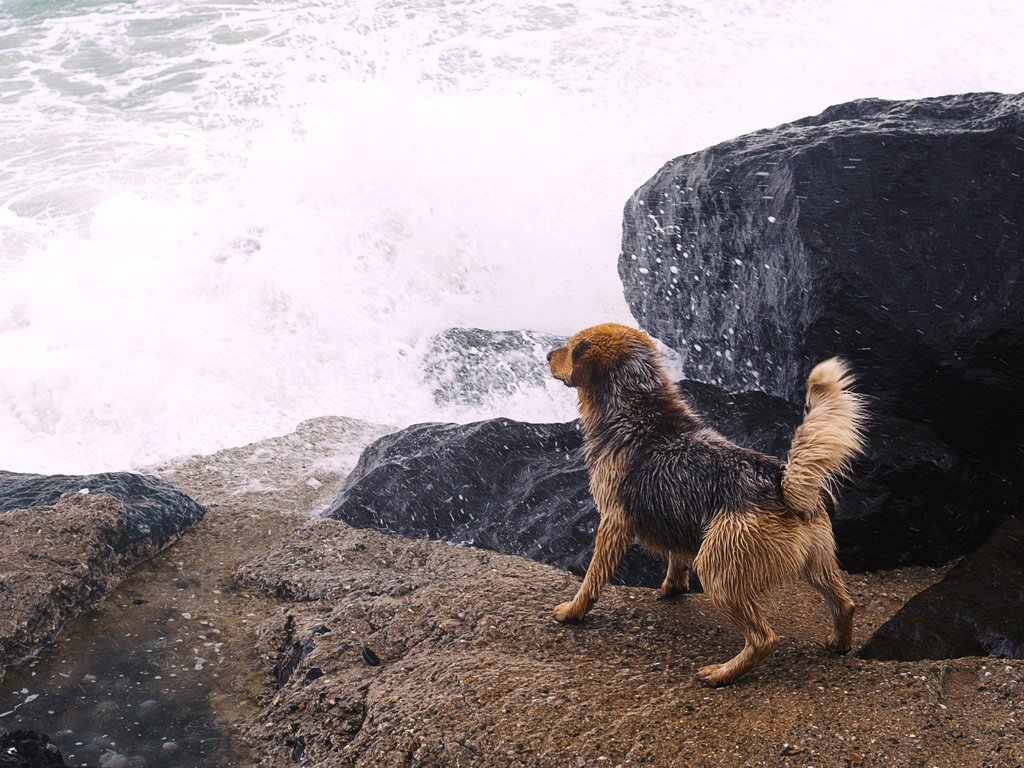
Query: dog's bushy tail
[[831, 434]]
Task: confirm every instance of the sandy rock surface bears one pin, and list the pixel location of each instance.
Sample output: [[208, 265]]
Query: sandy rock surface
[[473, 671]]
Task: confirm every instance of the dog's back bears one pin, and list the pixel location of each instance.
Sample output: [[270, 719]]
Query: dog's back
[[676, 483]]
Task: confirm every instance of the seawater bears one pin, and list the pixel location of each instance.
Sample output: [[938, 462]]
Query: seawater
[[220, 218]]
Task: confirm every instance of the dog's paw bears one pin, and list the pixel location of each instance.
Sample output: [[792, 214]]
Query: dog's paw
[[567, 613], [710, 676], [667, 592], [838, 647]]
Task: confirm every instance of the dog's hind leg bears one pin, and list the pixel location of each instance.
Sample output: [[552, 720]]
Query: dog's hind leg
[[613, 537], [677, 579], [822, 572], [741, 558], [759, 638]]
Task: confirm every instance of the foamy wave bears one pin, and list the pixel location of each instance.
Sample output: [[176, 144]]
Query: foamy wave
[[218, 220]]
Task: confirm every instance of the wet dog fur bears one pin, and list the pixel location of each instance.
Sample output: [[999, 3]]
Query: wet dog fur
[[746, 521]]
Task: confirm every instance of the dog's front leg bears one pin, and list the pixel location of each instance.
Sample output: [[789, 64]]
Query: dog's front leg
[[613, 537]]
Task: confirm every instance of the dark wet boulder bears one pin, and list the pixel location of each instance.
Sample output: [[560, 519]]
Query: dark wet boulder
[[522, 489], [28, 749], [69, 540], [886, 232], [470, 366], [976, 610], [504, 485]]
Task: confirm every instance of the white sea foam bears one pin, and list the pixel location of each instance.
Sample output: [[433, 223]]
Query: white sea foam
[[218, 219]]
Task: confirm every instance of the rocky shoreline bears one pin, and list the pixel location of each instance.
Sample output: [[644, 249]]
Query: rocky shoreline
[[347, 647], [473, 671]]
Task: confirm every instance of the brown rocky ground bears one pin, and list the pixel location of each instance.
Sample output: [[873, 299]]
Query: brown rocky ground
[[463, 665], [473, 671]]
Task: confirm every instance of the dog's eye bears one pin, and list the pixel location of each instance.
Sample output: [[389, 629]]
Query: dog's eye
[[579, 350]]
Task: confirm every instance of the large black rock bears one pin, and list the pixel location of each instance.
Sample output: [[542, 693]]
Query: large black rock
[[976, 610], [156, 512], [886, 232], [504, 485]]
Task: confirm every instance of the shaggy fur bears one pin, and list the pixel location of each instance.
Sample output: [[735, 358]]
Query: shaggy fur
[[746, 521]]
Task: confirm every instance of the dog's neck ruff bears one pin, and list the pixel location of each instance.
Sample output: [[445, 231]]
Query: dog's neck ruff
[[631, 405]]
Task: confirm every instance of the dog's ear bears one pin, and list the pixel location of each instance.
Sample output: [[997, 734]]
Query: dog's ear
[[582, 364], [579, 350]]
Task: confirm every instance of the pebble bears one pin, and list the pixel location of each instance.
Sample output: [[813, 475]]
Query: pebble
[[113, 760], [148, 706], [106, 707]]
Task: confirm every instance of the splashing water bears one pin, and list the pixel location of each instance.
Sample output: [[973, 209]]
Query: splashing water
[[218, 219]]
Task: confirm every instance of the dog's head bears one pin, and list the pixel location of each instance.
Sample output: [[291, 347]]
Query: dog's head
[[594, 353]]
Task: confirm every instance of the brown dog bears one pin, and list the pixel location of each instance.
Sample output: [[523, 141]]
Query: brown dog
[[746, 521]]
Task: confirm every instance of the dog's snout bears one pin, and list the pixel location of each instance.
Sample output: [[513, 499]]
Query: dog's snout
[[550, 354]]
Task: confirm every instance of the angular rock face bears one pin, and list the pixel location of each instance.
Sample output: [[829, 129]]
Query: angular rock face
[[63, 550], [976, 610], [886, 232], [889, 232], [468, 366]]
